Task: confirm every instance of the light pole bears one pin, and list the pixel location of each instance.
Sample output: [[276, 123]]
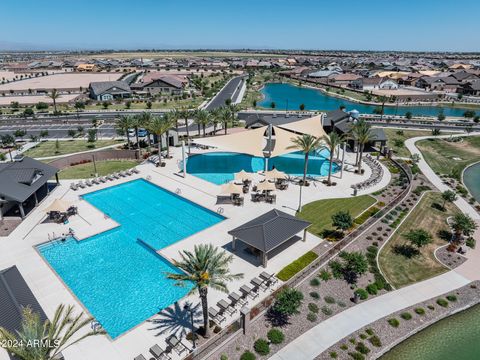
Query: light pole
[[187, 307]]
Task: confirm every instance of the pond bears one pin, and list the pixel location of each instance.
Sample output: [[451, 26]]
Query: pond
[[471, 178], [287, 96]]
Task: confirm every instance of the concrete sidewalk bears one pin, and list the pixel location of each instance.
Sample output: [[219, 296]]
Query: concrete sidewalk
[[327, 333]]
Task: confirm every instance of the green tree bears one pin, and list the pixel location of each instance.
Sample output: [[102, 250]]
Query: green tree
[[149, 104], [302, 107], [79, 106], [215, 115], [436, 132], [41, 106], [20, 133], [123, 125], [361, 132], [225, 118], [333, 141], [306, 143], [448, 196], [106, 104], [342, 220], [464, 225], [288, 301], [72, 133], [7, 140], [441, 116], [469, 114], [202, 118], [92, 137], [273, 105], [43, 134], [28, 112], [65, 330], [159, 125], [54, 95], [350, 266], [418, 237], [409, 115], [206, 267], [57, 146]]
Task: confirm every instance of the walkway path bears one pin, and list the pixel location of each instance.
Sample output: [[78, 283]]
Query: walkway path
[[327, 333]]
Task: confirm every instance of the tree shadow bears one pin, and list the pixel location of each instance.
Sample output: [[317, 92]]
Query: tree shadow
[[438, 207], [276, 318], [445, 235], [175, 320], [406, 250], [332, 235]]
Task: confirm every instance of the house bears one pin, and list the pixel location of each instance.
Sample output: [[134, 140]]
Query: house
[[464, 76], [471, 88], [343, 79], [109, 90], [323, 74], [86, 67], [168, 85], [23, 184], [374, 83], [445, 83]]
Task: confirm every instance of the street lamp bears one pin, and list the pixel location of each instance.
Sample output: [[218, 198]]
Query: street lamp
[[187, 307]]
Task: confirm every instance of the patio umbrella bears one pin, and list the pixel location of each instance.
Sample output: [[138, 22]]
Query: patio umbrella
[[275, 174], [59, 206], [243, 175], [232, 188], [266, 186]]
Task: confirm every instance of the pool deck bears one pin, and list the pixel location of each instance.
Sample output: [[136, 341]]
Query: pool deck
[[19, 248]]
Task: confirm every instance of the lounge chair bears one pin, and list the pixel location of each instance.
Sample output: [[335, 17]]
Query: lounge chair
[[135, 170], [81, 184], [139, 357], [216, 316], [224, 306], [158, 352], [88, 182], [259, 284], [73, 187], [103, 179], [110, 177], [248, 291], [270, 279], [129, 172], [237, 299], [176, 345], [115, 176], [95, 181], [123, 173]]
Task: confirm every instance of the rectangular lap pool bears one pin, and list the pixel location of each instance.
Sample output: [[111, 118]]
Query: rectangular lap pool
[[116, 277]]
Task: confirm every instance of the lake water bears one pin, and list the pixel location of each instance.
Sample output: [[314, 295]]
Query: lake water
[[287, 96], [471, 178], [454, 338]]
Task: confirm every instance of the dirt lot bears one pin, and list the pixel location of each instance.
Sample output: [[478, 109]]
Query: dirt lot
[[34, 99]]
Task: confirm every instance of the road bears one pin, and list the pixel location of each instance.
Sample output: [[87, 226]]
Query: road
[[230, 91]]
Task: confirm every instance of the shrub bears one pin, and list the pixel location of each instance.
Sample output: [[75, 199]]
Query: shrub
[[352, 340], [333, 355], [248, 355], [290, 270], [366, 215], [329, 299], [315, 282], [325, 275], [356, 356], [312, 317], [470, 242], [420, 311], [372, 289], [315, 295], [442, 302], [344, 347], [394, 322], [313, 308], [262, 347], [375, 341], [223, 357], [369, 331], [406, 316], [326, 310], [362, 348], [431, 307], [363, 336], [276, 336], [451, 298], [288, 301], [341, 304], [362, 293]]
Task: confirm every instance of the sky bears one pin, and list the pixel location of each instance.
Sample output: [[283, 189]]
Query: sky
[[413, 25]]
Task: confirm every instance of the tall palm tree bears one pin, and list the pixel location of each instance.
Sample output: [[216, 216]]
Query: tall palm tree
[[170, 118], [225, 116], [54, 95], [123, 125], [305, 143], [234, 109], [136, 123], [175, 116], [59, 334], [158, 126], [361, 132], [202, 118], [332, 142], [185, 114], [216, 118], [144, 119], [205, 267]]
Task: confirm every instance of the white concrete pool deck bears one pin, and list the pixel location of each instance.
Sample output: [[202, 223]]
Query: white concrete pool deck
[[18, 248]]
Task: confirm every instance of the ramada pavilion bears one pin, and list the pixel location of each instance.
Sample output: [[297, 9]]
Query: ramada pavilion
[[262, 231]]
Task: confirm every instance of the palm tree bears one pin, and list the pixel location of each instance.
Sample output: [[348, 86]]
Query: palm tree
[[123, 125], [332, 142], [136, 123], [361, 132], [170, 118], [185, 114], [305, 143], [216, 118], [144, 119], [234, 109], [158, 126], [225, 117], [202, 117], [205, 267], [175, 116], [59, 334], [54, 95]]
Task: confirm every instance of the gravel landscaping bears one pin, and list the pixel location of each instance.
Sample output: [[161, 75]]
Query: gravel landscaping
[[448, 258]]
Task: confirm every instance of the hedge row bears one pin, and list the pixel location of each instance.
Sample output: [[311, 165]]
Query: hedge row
[[366, 215], [293, 268]]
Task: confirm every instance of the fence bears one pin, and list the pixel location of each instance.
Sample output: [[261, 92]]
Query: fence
[[101, 155]]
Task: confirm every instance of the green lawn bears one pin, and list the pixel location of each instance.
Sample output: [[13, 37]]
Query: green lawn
[[396, 139], [402, 271], [47, 148], [85, 171], [319, 213], [450, 157]]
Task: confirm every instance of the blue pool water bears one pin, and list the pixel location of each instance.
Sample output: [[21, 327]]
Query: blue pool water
[[220, 167], [316, 100], [117, 278]]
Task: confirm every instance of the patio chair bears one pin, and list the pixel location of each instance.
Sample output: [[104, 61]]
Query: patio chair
[[158, 352], [88, 182], [216, 316], [237, 299], [73, 186], [129, 172], [135, 171], [81, 184], [123, 173], [226, 307], [259, 284], [103, 179], [270, 279], [139, 357], [115, 175], [176, 345], [110, 177], [95, 181], [248, 292]]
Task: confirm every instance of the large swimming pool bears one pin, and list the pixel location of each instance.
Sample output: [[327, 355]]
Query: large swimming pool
[[220, 167], [119, 279]]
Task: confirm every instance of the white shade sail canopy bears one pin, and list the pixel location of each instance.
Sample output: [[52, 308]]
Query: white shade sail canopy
[[312, 126], [59, 206], [275, 174], [232, 188], [243, 176], [266, 186]]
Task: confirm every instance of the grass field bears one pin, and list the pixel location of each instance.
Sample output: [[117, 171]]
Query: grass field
[[451, 158], [396, 139], [319, 213], [85, 171], [47, 148], [400, 270]]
